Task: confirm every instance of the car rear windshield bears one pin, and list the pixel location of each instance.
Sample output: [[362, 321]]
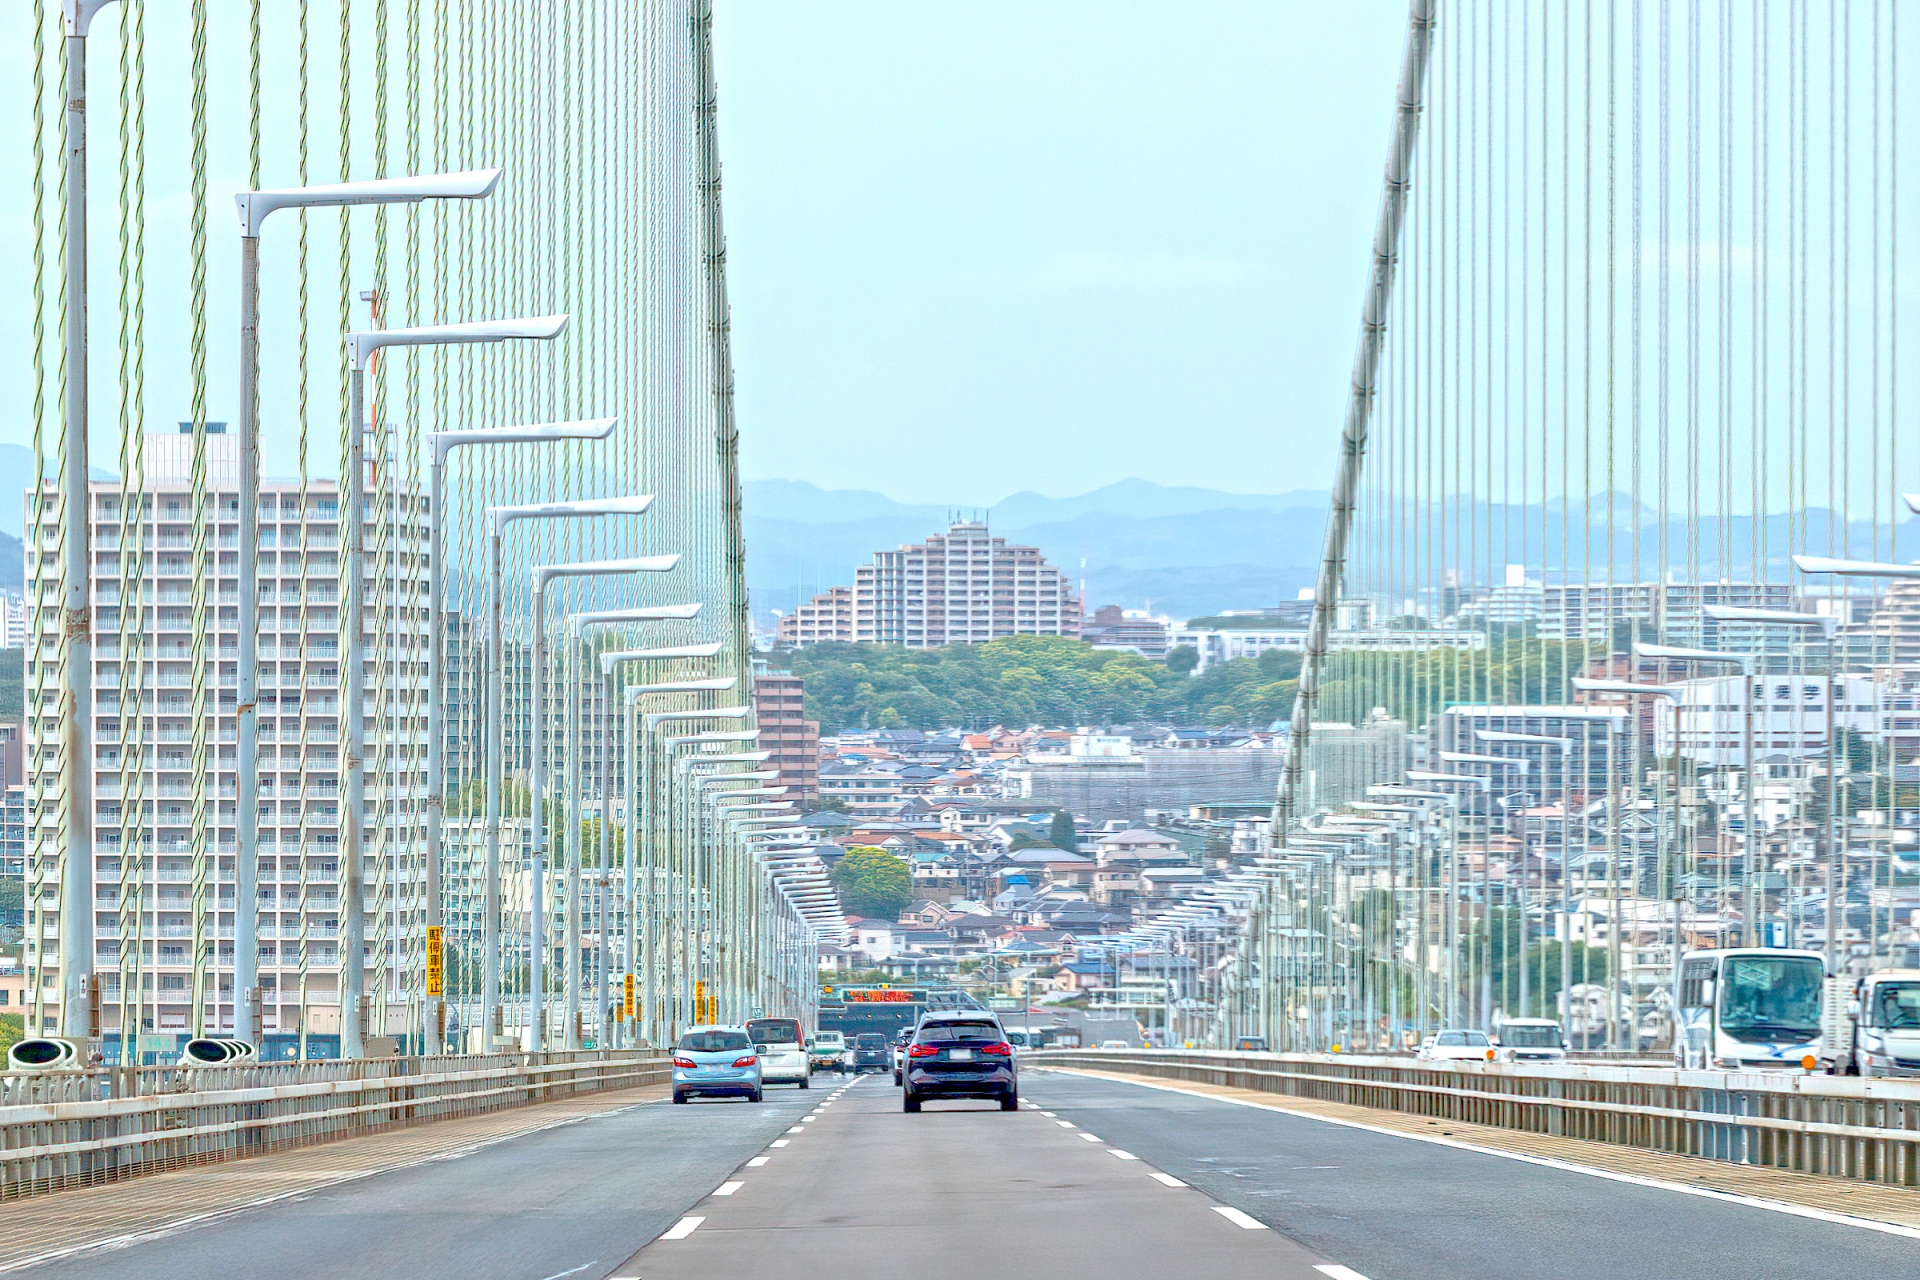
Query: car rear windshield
[[774, 1031], [875, 1041], [959, 1033], [713, 1041]]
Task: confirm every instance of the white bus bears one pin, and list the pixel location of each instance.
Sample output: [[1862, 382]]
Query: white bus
[[1749, 1009]]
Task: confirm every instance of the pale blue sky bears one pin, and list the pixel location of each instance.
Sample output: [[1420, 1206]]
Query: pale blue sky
[[988, 247]]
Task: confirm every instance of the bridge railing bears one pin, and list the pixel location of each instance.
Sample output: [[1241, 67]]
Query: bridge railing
[[62, 1130], [1837, 1126]]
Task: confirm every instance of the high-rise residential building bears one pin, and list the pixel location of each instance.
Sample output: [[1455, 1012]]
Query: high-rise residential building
[[826, 618], [165, 596], [13, 832], [964, 586], [1591, 610], [780, 708]]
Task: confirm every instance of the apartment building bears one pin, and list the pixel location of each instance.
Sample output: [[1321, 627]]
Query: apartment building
[[164, 739], [826, 618], [961, 587], [780, 708]]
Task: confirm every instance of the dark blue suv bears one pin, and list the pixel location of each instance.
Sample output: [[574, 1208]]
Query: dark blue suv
[[960, 1053]]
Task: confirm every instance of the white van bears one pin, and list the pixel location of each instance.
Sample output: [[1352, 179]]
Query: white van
[[783, 1050]]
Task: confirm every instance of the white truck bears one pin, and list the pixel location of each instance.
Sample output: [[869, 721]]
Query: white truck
[[1872, 1024]]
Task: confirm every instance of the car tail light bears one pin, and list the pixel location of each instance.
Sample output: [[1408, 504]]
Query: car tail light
[[923, 1050], [747, 1061], [688, 1063], [1000, 1050]]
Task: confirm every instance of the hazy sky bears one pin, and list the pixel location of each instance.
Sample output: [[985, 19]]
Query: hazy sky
[[974, 247], [978, 248]]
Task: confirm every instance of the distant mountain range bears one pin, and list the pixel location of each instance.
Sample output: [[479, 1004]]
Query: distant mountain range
[[1182, 551]]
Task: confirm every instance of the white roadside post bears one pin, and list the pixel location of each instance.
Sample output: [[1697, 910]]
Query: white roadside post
[[361, 347], [498, 519], [1755, 895], [609, 662], [537, 1017], [640, 749], [1843, 569], [1628, 688], [576, 964], [658, 924], [254, 208], [439, 445], [1668, 653]]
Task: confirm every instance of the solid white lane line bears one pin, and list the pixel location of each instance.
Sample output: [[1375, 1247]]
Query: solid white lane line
[[758, 1161], [778, 1142], [728, 1188], [1334, 1271], [682, 1229], [1089, 1137], [1547, 1162], [1239, 1219], [1118, 1154], [1168, 1179]]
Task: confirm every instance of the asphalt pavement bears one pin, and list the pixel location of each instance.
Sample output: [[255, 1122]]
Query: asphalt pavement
[[1092, 1177], [1395, 1208], [860, 1191], [569, 1201]]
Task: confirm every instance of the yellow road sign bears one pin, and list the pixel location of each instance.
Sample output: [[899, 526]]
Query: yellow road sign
[[626, 1002]]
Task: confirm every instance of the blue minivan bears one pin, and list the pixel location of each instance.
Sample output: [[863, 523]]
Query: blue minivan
[[716, 1062]]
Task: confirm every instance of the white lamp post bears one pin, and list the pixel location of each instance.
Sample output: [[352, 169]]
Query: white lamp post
[[76, 607], [361, 346], [254, 208]]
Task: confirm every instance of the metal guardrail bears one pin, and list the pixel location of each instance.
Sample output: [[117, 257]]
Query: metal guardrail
[[1836, 1126], [69, 1129]]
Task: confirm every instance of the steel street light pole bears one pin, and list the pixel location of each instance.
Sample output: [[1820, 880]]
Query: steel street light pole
[[254, 208]]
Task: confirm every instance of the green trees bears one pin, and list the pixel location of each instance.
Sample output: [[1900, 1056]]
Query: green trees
[[872, 882], [1061, 832], [1025, 680]]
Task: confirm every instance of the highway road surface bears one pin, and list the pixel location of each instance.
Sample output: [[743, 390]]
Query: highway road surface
[[1091, 1178]]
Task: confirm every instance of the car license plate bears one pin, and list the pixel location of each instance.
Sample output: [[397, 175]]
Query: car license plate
[[960, 1055]]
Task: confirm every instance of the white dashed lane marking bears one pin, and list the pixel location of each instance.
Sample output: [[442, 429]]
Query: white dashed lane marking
[[1118, 1154], [728, 1188], [1334, 1271], [1089, 1137], [683, 1228], [1168, 1179], [1239, 1219], [758, 1161]]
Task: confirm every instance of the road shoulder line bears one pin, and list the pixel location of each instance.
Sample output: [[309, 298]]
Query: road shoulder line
[[1816, 1213]]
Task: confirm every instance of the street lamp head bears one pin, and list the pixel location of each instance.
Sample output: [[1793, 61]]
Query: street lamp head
[[636, 505], [545, 573], [1672, 654], [79, 15], [1776, 617], [1855, 568], [443, 442], [1581, 685], [362, 343], [255, 206], [665, 653]]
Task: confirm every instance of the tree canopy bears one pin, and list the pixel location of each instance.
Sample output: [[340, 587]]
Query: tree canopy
[[872, 882], [1026, 680]]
